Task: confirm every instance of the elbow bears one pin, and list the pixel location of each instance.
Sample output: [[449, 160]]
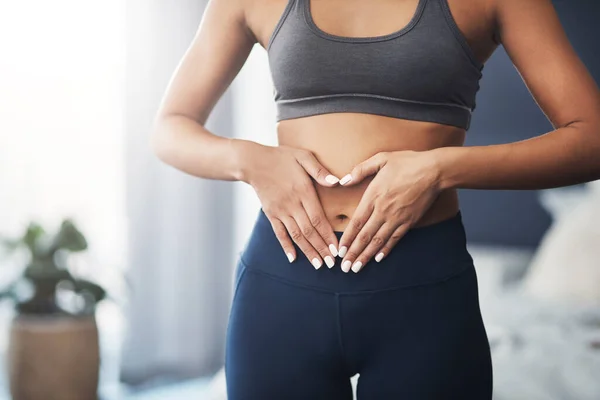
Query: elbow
[[595, 156], [158, 139], [596, 131], [588, 148]]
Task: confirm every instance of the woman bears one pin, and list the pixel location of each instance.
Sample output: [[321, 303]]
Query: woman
[[373, 103]]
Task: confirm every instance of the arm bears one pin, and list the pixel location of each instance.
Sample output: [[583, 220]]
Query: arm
[[279, 175], [220, 48], [407, 182], [567, 94]]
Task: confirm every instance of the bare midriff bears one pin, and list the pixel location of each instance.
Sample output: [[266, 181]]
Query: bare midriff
[[341, 140]]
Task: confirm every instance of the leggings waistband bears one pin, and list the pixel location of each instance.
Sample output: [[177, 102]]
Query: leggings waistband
[[424, 255]]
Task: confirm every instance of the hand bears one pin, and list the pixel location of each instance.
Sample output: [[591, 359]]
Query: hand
[[281, 177], [405, 186]]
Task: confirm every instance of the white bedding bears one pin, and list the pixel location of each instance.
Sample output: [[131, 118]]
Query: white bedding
[[540, 350]]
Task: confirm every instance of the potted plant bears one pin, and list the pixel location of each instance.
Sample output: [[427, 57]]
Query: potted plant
[[53, 348]]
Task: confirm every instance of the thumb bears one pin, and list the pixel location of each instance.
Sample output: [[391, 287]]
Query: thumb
[[366, 168], [314, 168]]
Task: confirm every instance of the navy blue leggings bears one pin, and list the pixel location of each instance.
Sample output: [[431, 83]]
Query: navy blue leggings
[[410, 326]]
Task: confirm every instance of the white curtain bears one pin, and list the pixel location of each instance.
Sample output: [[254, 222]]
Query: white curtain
[[180, 228]]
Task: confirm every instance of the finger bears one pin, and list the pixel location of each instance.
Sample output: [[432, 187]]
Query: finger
[[392, 241], [317, 217], [284, 239], [316, 170], [315, 239], [362, 240], [297, 236], [361, 215], [380, 238], [366, 168]]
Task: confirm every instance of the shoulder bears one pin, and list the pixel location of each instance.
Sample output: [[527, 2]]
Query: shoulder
[[241, 12], [518, 15]]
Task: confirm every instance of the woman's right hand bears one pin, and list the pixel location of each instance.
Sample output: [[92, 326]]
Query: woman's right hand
[[281, 177]]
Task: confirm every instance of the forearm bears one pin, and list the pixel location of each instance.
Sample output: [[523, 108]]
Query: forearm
[[565, 156], [186, 145]]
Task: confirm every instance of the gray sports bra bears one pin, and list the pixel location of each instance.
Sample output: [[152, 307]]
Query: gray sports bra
[[425, 71]]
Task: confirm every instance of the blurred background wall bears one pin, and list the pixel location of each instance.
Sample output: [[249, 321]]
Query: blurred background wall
[[79, 86]]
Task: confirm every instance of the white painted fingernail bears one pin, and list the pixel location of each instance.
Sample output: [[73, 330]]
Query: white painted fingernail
[[345, 179], [357, 266], [378, 257], [329, 261], [333, 250], [346, 265], [316, 263], [331, 179], [342, 251], [290, 257]]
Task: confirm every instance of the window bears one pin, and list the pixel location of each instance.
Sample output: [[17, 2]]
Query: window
[[62, 74]]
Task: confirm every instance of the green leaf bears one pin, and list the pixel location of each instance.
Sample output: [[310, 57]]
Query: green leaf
[[10, 244], [69, 237], [32, 235], [10, 292], [37, 272], [96, 290]]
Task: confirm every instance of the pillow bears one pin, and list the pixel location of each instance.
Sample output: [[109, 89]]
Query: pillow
[[566, 266]]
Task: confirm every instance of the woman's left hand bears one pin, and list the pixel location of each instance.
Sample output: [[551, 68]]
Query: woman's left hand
[[404, 187]]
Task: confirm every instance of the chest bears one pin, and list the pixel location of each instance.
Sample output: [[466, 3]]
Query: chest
[[374, 18]]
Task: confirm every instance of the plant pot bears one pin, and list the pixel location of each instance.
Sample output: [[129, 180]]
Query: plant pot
[[53, 358]]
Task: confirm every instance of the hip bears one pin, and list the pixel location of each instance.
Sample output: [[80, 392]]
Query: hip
[[425, 255]]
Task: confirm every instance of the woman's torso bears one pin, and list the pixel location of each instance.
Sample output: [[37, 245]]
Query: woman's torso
[[342, 140]]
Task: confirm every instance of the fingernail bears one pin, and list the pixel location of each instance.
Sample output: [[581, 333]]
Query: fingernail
[[329, 261], [378, 257], [357, 266], [345, 179], [331, 179], [316, 263], [346, 266], [290, 257], [333, 250], [342, 251]]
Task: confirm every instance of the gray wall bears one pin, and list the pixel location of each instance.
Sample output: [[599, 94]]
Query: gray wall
[[506, 112]]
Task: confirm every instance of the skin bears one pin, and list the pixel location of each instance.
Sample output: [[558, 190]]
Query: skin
[[404, 174]]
